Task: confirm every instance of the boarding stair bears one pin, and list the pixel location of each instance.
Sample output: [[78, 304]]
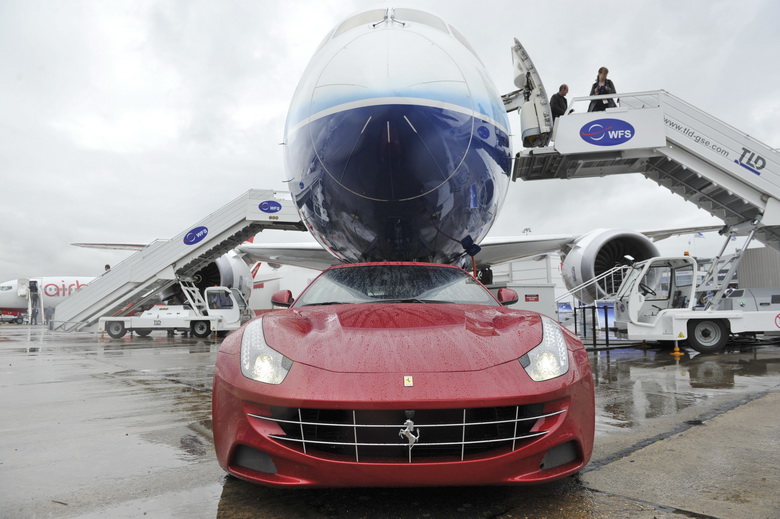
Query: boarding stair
[[722, 170], [165, 263], [193, 296], [601, 287], [35, 293]]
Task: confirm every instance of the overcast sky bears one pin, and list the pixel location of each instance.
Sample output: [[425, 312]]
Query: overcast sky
[[128, 121]]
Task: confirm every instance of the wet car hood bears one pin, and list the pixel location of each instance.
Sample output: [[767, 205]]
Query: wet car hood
[[391, 338]]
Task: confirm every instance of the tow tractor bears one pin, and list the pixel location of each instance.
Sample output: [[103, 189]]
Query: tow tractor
[[223, 309], [667, 299]]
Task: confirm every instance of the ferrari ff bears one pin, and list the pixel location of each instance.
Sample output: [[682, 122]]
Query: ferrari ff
[[401, 374]]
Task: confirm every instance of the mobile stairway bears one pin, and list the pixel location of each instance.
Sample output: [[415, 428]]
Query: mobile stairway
[[704, 160], [165, 263]]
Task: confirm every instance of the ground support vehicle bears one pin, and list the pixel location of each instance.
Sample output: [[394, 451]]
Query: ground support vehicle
[[11, 318], [223, 309], [659, 300]]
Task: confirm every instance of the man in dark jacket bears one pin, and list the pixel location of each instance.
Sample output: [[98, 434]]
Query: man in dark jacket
[[558, 102]]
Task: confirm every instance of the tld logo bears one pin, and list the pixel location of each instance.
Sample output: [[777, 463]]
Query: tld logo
[[270, 206], [751, 161], [607, 132], [196, 235]]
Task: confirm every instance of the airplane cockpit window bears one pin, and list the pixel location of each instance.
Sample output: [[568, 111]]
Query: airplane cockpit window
[[415, 16], [4, 288], [366, 18], [464, 41]]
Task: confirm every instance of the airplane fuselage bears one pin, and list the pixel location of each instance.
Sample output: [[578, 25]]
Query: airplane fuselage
[[397, 142], [51, 290]]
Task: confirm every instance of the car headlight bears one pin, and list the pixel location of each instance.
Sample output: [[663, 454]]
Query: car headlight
[[258, 360], [551, 358]]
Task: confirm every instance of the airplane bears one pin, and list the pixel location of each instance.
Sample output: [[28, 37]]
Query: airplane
[[267, 278], [397, 147], [14, 294], [228, 270]]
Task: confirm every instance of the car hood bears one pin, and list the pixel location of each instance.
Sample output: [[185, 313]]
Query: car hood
[[402, 338]]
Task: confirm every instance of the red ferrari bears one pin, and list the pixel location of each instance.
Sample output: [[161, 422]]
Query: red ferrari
[[401, 374]]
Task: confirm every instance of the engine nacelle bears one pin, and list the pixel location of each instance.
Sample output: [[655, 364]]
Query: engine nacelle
[[229, 270], [597, 252]]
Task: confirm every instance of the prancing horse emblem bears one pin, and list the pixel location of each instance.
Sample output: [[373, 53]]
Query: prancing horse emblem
[[408, 433]]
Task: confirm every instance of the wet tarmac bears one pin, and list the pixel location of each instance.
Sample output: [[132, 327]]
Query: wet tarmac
[[96, 427]]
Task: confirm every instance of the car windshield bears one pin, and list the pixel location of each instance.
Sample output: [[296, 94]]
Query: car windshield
[[395, 284]]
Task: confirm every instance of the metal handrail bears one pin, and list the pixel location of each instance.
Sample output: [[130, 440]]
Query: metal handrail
[[592, 281]]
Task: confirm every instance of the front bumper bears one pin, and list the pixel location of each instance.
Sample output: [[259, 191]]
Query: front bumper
[[329, 429]]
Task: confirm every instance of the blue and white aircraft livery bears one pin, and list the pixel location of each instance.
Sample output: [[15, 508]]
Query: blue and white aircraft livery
[[397, 144], [397, 147]]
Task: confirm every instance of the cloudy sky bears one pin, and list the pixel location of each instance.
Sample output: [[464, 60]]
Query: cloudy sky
[[128, 121]]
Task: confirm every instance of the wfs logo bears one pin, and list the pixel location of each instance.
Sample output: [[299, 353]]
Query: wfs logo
[[270, 206], [607, 132], [196, 235]]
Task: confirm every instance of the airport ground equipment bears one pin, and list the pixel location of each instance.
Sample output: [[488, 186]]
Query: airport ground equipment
[[722, 170], [32, 290], [139, 279], [8, 318], [221, 310], [667, 299]]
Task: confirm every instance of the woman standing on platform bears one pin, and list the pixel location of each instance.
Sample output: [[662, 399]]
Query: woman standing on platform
[[602, 86]]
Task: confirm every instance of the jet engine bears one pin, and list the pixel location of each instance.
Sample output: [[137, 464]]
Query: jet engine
[[597, 252], [229, 270]]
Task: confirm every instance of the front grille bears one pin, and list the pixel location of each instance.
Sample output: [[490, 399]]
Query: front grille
[[407, 436]]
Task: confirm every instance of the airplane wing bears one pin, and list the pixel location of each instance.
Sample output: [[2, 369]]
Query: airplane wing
[[500, 250], [312, 255], [495, 250], [110, 246], [307, 255], [668, 233]]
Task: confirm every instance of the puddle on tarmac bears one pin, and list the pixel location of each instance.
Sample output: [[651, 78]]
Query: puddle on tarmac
[[636, 385]]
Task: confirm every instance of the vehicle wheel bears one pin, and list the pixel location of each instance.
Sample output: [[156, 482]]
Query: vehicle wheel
[[200, 329], [116, 329], [143, 332], [18, 320], [707, 336]]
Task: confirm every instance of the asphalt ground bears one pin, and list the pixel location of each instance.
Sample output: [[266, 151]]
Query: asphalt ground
[[96, 427]]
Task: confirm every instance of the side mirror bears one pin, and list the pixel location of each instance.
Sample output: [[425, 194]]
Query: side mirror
[[283, 298], [507, 296]]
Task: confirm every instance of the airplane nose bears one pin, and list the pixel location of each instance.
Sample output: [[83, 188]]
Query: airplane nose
[[400, 124]]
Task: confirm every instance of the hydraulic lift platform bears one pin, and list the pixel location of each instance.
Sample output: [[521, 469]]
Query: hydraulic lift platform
[[722, 170], [165, 263]]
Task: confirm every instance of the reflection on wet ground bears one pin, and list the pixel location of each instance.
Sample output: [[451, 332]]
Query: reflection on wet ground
[[94, 427], [240, 500], [634, 385]]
